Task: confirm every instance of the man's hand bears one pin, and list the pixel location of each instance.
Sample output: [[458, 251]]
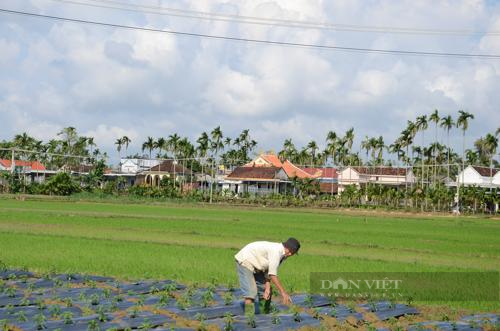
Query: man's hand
[[284, 295], [286, 298], [267, 290], [267, 294]]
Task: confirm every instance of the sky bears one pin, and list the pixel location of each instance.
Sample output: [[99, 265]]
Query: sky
[[109, 82]]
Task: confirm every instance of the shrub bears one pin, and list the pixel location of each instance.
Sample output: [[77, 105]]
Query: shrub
[[61, 184]]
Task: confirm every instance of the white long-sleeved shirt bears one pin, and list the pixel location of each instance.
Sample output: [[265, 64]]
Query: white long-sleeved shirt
[[262, 256]]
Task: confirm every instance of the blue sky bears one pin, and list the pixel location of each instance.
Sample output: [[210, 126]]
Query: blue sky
[[110, 82]]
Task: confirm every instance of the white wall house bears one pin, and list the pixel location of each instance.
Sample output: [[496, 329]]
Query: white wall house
[[256, 180], [133, 166], [375, 175], [479, 176]]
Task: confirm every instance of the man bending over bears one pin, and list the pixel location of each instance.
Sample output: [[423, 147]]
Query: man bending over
[[257, 265]]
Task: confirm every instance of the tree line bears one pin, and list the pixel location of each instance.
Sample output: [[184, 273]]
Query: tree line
[[412, 147]]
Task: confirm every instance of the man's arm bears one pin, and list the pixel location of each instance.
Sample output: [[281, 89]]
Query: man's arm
[[267, 289], [284, 295]]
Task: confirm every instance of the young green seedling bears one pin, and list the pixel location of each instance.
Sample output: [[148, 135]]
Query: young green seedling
[[250, 319], [40, 321], [296, 313], [228, 298], [228, 322], [67, 317], [93, 325], [94, 299], [54, 310], [333, 312], [206, 298], [101, 314], [11, 292], [134, 312], [21, 316], [146, 325], [40, 304], [275, 318], [140, 300], [201, 318], [309, 301], [68, 302]]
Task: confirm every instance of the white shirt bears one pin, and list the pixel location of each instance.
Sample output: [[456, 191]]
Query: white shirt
[[262, 256]]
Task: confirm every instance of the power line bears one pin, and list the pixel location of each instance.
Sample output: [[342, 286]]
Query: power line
[[160, 10], [260, 41]]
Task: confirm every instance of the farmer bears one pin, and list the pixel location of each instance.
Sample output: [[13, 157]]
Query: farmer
[[257, 264]]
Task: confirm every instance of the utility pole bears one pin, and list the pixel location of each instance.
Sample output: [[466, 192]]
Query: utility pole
[[458, 191], [212, 182], [13, 161]]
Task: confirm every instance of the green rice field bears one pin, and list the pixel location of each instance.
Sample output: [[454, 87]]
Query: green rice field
[[195, 243]]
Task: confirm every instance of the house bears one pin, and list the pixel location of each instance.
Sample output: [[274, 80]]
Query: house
[[133, 166], [271, 160], [327, 177], [166, 169], [266, 174], [375, 175], [256, 180], [479, 176], [32, 171], [78, 170]]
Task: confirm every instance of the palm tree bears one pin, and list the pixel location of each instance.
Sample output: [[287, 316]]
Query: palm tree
[[91, 143], [422, 125], [227, 142], [491, 144], [312, 147], [463, 123], [149, 144], [447, 123], [161, 144], [202, 148], [396, 148], [331, 144], [173, 143], [349, 139], [118, 144], [216, 141], [203, 144], [288, 151], [69, 136], [366, 145], [125, 141], [216, 145], [434, 117], [379, 145]]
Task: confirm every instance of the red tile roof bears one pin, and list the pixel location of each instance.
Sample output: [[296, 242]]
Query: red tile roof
[[168, 166], [258, 173], [381, 171], [273, 161], [35, 165], [485, 171], [294, 171], [322, 172]]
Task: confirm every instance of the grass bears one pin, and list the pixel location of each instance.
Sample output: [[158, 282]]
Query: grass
[[196, 243]]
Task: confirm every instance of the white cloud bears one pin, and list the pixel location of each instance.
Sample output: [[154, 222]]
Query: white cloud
[[449, 85], [9, 51], [110, 82], [105, 135]]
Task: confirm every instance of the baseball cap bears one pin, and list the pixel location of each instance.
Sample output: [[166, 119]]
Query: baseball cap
[[293, 245]]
